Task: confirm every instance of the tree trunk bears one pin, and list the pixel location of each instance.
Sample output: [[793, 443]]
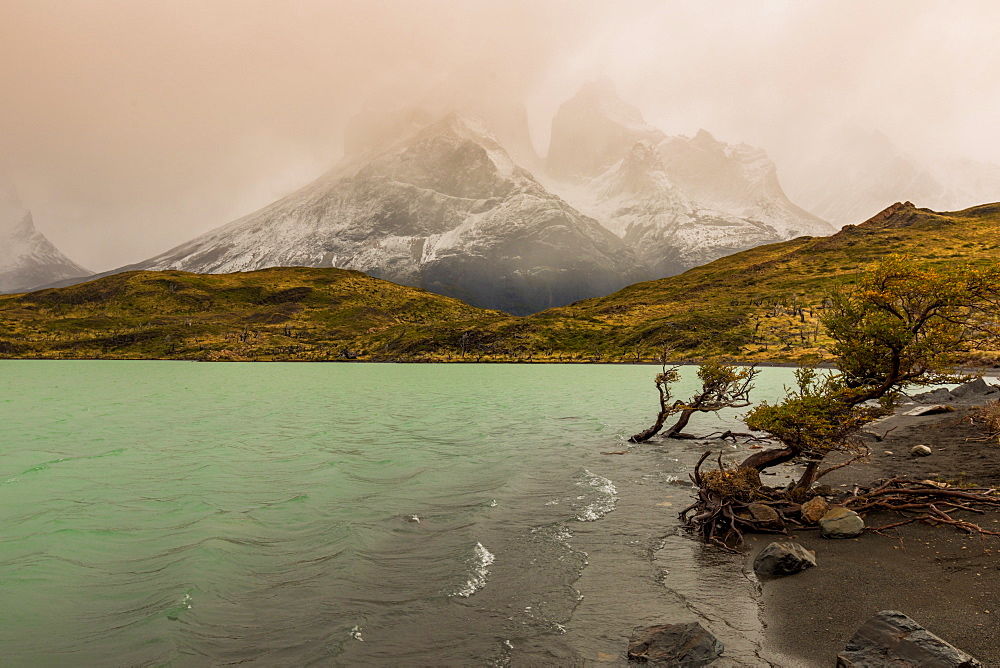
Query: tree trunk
[[767, 458], [808, 476], [644, 436], [681, 423]]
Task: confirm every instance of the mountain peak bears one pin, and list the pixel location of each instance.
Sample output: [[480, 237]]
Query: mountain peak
[[704, 138], [27, 258], [593, 130], [467, 127], [455, 155], [640, 171], [900, 214]]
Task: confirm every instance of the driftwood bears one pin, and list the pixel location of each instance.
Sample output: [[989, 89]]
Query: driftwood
[[722, 514], [879, 439]]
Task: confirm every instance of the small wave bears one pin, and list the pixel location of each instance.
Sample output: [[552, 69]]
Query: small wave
[[356, 633], [481, 560], [604, 503]]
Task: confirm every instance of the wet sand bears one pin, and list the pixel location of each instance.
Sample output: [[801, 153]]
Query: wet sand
[[944, 579]]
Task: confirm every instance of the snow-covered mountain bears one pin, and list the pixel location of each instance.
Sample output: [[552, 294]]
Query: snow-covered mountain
[[447, 209], [738, 179], [27, 258], [678, 201], [867, 172], [668, 230]]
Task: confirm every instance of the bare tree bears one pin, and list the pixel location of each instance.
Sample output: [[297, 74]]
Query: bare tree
[[722, 386]]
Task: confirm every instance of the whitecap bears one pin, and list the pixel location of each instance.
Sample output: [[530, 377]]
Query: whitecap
[[481, 560], [605, 502]]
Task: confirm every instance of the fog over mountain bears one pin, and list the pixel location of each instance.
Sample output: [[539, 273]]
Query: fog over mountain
[[868, 171], [132, 128], [27, 258], [441, 203]]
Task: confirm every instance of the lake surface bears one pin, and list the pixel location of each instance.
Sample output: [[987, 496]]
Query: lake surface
[[170, 513]]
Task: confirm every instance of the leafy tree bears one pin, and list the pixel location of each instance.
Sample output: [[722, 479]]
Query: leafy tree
[[907, 323], [904, 323], [722, 386]]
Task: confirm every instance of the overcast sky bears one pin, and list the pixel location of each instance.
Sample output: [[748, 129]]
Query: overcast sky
[[130, 127]]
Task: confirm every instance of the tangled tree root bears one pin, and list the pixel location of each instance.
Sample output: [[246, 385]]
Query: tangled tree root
[[722, 513], [732, 502], [927, 502]]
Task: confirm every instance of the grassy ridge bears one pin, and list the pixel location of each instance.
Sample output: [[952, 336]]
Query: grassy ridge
[[271, 314], [758, 305]]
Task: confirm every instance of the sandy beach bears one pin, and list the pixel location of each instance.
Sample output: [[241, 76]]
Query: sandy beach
[[943, 578]]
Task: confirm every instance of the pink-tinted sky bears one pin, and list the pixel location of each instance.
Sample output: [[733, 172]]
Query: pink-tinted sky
[[130, 126]]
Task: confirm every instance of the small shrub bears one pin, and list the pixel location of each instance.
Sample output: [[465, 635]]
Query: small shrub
[[741, 483], [990, 416]]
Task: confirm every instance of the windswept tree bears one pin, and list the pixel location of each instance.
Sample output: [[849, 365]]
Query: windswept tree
[[904, 324], [722, 386]]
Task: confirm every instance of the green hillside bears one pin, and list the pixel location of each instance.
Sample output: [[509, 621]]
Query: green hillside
[[757, 305], [291, 313]]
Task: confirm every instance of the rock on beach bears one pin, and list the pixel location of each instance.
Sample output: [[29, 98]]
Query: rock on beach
[[890, 638], [688, 645], [841, 523], [813, 510], [765, 515], [784, 558]]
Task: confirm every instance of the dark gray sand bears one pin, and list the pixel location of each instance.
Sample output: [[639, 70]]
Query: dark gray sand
[[942, 578]]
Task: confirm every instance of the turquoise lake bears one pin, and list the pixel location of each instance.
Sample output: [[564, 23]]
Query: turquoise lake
[[188, 514]]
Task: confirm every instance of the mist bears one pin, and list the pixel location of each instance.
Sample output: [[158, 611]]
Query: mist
[[128, 128]]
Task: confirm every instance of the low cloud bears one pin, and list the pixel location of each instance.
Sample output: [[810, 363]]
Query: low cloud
[[131, 127]]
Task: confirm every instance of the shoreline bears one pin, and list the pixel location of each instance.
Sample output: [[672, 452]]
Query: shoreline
[[978, 370], [946, 580]]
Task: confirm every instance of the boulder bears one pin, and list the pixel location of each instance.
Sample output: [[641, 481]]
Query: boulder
[[682, 645], [890, 638], [765, 516], [814, 509], [929, 410], [975, 387], [841, 523], [785, 558], [934, 396], [920, 451]]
